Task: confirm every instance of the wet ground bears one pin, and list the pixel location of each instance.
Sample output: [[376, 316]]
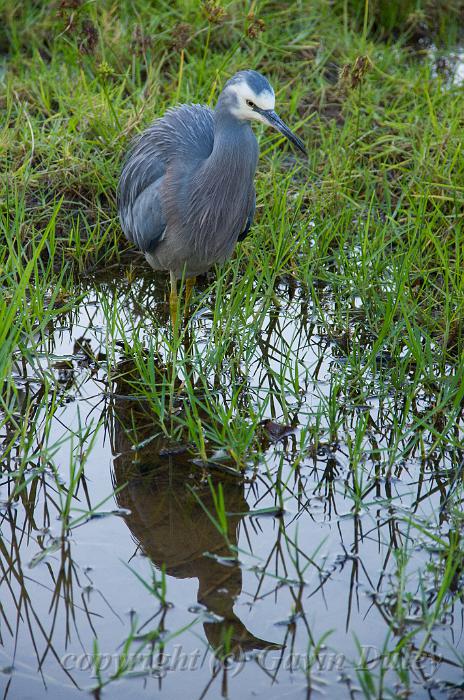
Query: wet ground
[[322, 560]]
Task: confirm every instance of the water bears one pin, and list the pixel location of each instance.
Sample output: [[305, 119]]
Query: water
[[448, 64], [304, 589]]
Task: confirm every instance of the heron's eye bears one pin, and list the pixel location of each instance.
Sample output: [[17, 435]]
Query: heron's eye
[[250, 104]]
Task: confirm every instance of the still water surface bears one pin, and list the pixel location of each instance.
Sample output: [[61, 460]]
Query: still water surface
[[295, 599]]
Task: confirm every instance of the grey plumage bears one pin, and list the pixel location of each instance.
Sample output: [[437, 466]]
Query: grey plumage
[[186, 192]]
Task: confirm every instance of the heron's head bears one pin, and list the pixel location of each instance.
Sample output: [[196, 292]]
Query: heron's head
[[250, 97]]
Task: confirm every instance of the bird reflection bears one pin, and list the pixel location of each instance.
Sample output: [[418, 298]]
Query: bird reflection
[[169, 520]]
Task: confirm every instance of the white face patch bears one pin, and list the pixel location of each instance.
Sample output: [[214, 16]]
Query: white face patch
[[244, 93]]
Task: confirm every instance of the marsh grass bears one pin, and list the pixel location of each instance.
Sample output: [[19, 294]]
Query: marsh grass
[[355, 262]]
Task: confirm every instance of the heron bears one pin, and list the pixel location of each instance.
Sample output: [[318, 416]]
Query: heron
[[186, 193]]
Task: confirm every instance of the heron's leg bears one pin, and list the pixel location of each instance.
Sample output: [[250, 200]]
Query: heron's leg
[[173, 299], [189, 285]]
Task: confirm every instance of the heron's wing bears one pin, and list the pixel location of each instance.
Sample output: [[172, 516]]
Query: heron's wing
[[139, 200], [250, 218], [148, 222], [183, 134]]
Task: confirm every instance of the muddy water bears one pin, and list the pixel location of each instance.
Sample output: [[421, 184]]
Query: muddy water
[[288, 604]]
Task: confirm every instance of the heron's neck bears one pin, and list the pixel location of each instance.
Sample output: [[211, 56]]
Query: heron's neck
[[221, 188], [235, 148]]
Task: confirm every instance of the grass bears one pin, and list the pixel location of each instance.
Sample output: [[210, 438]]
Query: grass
[[340, 318]]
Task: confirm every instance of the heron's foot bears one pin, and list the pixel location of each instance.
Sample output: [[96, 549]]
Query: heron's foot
[[189, 285]]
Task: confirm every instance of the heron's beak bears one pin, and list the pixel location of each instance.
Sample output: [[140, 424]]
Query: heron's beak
[[275, 121]]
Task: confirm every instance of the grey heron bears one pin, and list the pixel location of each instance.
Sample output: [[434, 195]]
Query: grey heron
[[186, 193]]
